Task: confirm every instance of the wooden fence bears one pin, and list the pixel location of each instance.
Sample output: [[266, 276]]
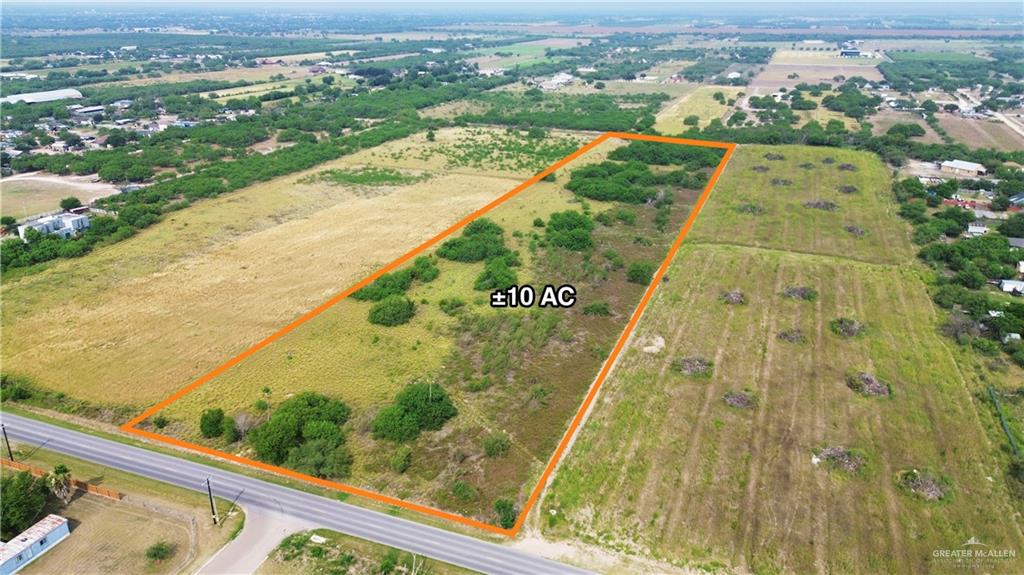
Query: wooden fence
[[79, 485]]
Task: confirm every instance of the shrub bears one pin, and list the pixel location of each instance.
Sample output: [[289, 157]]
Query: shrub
[[570, 230], [496, 275], [417, 407], [641, 272], [538, 223], [506, 511], [481, 240], [229, 431], [392, 310], [597, 308], [159, 551], [211, 422], [286, 428], [452, 306], [496, 445], [160, 422], [463, 491], [401, 459], [70, 203]]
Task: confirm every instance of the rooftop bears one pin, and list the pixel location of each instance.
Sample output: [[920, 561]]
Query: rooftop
[[40, 97], [962, 165], [23, 541]]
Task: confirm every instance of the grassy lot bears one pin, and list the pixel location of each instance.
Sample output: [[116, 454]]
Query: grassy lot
[[342, 553], [30, 194], [700, 102], [830, 57], [981, 133], [112, 537], [536, 363], [510, 56], [774, 75], [886, 118], [665, 468], [288, 84], [781, 221], [141, 318]]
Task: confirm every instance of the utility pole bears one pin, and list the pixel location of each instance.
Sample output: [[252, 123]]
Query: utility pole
[[213, 508], [10, 454]]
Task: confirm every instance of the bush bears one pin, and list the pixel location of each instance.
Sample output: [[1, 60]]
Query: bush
[[538, 223], [288, 427], [497, 275], [570, 230], [496, 445], [597, 308], [506, 511], [481, 240], [159, 551], [401, 459], [392, 310], [229, 431], [452, 306], [641, 272], [211, 422], [463, 491], [70, 203], [160, 422], [418, 407]]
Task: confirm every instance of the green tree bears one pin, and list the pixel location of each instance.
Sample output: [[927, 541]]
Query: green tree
[[507, 513], [70, 203], [211, 422], [418, 407], [24, 497], [641, 272], [59, 482], [392, 310]]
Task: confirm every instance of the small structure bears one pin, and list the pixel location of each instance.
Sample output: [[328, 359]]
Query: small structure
[[33, 542], [962, 168], [1017, 200], [1020, 268], [849, 53], [557, 81], [40, 97], [1011, 337], [63, 225], [1015, 287], [975, 230], [1016, 242]]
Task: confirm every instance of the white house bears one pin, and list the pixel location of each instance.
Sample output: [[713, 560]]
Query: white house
[[975, 230], [1012, 286], [63, 225], [22, 549]]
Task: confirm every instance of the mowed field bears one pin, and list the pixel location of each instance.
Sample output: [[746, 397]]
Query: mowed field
[[761, 203], [138, 320], [700, 102], [33, 193], [665, 469]]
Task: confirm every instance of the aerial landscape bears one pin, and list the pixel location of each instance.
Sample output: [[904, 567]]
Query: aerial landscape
[[512, 288]]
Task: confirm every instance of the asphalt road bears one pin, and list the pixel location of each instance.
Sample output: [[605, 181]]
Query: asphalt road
[[254, 493]]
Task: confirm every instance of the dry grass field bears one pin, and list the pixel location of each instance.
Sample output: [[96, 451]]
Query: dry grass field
[[981, 133], [33, 193], [699, 102], [886, 118], [776, 75], [140, 319], [666, 469]]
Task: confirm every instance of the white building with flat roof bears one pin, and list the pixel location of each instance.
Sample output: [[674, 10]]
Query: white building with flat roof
[[63, 225], [25, 547], [40, 97]]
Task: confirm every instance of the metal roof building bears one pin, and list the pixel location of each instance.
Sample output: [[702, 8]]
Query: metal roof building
[[33, 542], [40, 97]]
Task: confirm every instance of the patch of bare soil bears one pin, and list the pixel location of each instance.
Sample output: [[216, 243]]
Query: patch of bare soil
[[760, 169], [822, 205], [924, 484], [781, 182], [801, 292], [694, 366], [854, 230], [847, 189], [791, 336], [846, 327], [774, 157], [867, 384], [652, 344], [734, 297], [750, 209], [847, 168], [841, 458], [740, 399]]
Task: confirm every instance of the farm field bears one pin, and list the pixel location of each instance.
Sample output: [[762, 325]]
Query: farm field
[[981, 133], [760, 203], [818, 58], [33, 193], [297, 554], [665, 468], [149, 512], [775, 76], [295, 78], [231, 270], [886, 118], [514, 374], [521, 54], [699, 102]]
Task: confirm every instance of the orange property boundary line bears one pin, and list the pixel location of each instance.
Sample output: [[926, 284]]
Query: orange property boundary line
[[130, 426]]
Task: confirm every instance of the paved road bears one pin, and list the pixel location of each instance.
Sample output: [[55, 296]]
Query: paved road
[[253, 493]]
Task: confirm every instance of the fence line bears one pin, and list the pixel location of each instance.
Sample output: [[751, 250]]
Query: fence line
[[76, 484]]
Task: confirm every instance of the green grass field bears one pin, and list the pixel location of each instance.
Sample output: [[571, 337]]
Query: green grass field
[[779, 192], [950, 57], [665, 469]]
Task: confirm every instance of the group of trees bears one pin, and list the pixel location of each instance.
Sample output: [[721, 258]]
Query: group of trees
[[26, 496], [305, 433], [483, 240], [630, 182], [388, 291], [570, 230], [576, 112], [418, 407]]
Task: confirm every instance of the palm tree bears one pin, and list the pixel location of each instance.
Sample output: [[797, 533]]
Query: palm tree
[[60, 483]]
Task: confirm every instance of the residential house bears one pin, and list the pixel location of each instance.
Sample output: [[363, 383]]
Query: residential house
[[962, 168], [25, 547], [63, 225], [557, 81], [975, 230]]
